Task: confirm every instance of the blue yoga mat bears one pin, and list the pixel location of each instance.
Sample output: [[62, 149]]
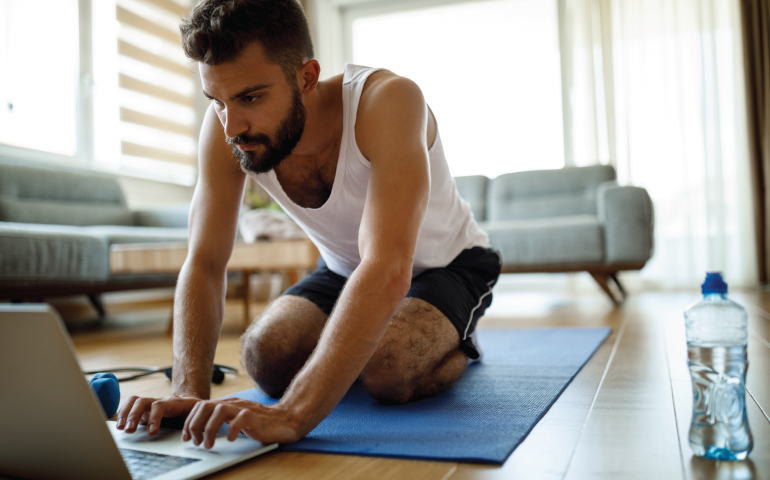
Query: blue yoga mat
[[483, 418]]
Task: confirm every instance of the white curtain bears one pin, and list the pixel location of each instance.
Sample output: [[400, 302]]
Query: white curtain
[[656, 89]]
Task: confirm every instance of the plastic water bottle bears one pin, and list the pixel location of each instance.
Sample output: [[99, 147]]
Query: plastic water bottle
[[717, 334]]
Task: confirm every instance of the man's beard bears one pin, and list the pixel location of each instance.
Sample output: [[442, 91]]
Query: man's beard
[[286, 138]]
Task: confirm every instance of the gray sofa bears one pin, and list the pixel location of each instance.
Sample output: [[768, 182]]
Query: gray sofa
[[568, 220], [56, 228]]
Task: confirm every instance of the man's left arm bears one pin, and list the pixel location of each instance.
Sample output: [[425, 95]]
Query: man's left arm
[[391, 133]]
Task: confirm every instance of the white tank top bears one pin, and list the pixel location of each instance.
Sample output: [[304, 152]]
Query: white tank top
[[447, 229]]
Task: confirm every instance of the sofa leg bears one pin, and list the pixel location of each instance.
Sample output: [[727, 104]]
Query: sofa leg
[[614, 277], [601, 278], [96, 301]]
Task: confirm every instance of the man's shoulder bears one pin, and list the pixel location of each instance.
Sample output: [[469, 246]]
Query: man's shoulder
[[388, 101], [391, 106], [384, 87]]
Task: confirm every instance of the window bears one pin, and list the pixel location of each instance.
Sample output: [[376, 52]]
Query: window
[[102, 84], [489, 70], [39, 75], [144, 98]]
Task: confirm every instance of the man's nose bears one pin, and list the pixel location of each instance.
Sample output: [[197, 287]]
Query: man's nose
[[234, 123]]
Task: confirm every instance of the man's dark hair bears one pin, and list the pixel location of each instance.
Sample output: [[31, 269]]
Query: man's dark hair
[[219, 30]]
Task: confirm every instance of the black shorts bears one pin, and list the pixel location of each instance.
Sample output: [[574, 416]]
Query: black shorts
[[462, 290]]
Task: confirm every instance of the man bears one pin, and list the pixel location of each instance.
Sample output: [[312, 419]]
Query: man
[[357, 161]]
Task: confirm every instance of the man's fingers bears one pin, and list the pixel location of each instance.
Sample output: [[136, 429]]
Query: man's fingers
[[207, 417], [186, 429], [150, 411], [198, 422], [164, 407], [241, 422], [221, 413], [156, 415], [124, 410], [137, 411], [195, 422]]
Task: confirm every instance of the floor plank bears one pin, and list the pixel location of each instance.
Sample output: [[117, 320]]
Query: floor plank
[[308, 466], [631, 431]]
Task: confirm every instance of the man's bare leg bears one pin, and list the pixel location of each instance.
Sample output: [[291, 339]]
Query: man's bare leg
[[418, 356], [278, 343]]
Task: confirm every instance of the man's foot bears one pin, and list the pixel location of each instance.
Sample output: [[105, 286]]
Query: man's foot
[[478, 349]]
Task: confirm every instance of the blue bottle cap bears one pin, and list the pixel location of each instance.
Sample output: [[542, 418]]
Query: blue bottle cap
[[713, 284]]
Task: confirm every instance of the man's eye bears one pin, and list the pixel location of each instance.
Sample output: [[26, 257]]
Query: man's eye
[[250, 98]]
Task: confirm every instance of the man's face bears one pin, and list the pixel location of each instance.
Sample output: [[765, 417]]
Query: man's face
[[262, 114], [262, 160]]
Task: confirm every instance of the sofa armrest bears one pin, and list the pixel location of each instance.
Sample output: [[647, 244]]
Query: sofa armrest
[[626, 214], [175, 216]]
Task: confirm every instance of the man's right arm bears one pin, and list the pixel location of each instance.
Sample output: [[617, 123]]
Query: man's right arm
[[200, 295], [199, 300]]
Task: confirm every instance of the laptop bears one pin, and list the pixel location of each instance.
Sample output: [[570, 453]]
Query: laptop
[[52, 425]]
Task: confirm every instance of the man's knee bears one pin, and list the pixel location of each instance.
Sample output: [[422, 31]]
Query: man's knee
[[267, 362], [387, 386], [393, 372], [393, 382], [417, 356], [278, 344]]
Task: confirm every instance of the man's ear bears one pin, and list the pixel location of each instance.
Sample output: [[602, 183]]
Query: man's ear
[[307, 76]]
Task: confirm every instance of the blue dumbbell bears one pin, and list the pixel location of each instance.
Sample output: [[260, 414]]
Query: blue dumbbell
[[106, 387]]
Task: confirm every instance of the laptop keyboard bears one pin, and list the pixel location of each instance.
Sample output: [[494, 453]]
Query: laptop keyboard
[[145, 465]]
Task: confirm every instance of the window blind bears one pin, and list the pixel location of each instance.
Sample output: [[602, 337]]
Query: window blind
[[152, 120]]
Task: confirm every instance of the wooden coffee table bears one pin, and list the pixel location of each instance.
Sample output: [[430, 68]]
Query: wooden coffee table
[[264, 256]]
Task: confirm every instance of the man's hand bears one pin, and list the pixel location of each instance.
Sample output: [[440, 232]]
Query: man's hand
[[137, 411], [266, 424]]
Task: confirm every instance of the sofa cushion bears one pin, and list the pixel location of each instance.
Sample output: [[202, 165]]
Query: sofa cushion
[[173, 216], [473, 189], [119, 234], [65, 253], [55, 196], [63, 212], [548, 241], [51, 253], [546, 193]]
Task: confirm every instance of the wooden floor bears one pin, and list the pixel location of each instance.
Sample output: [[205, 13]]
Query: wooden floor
[[625, 415]]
